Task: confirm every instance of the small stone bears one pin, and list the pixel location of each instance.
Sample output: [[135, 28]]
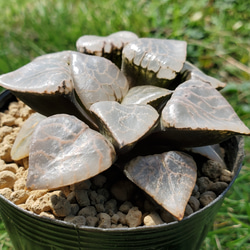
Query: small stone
[[166, 216], [126, 205], [122, 217], [5, 150], [74, 208], [33, 196], [212, 169], [6, 192], [72, 197], [48, 215], [203, 184], [207, 197], [88, 211], [1, 163], [25, 112], [115, 219], [19, 196], [5, 130], [77, 220], [99, 180], [152, 219], [195, 190], [92, 221], [197, 195], [14, 111], [9, 167], [10, 138], [100, 199], [92, 197], [188, 210], [7, 120], [21, 172], [218, 187], [134, 217], [82, 197], [60, 206], [19, 122], [7, 179], [111, 207], [226, 176], [100, 208], [104, 192], [20, 184], [104, 220], [194, 203]]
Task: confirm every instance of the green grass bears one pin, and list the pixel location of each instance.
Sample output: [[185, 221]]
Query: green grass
[[217, 33]]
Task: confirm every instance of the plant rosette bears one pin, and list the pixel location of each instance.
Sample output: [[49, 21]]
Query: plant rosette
[[123, 133]]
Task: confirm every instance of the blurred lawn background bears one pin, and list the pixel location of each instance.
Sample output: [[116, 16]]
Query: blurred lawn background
[[218, 36]]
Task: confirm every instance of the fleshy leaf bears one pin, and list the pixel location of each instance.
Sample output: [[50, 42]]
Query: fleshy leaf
[[20, 148], [150, 61], [198, 115], [124, 125], [147, 94], [168, 178], [190, 72], [209, 152], [64, 151], [97, 79], [109, 47]]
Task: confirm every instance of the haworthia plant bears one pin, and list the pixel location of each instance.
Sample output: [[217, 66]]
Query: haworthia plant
[[126, 116]]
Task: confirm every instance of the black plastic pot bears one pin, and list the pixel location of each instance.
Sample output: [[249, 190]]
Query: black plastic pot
[[29, 231]]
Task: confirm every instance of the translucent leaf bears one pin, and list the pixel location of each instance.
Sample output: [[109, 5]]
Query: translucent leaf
[[147, 94], [209, 152], [64, 151], [168, 178], [198, 115], [97, 79], [149, 61], [109, 47], [124, 125], [20, 148], [190, 72]]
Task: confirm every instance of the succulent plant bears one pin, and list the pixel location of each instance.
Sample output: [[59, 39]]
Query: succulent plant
[[145, 117]]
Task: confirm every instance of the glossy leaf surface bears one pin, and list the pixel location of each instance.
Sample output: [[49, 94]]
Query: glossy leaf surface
[[21, 146], [124, 125], [168, 178], [147, 94], [190, 72], [64, 151], [149, 61], [97, 79], [109, 46], [198, 115]]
